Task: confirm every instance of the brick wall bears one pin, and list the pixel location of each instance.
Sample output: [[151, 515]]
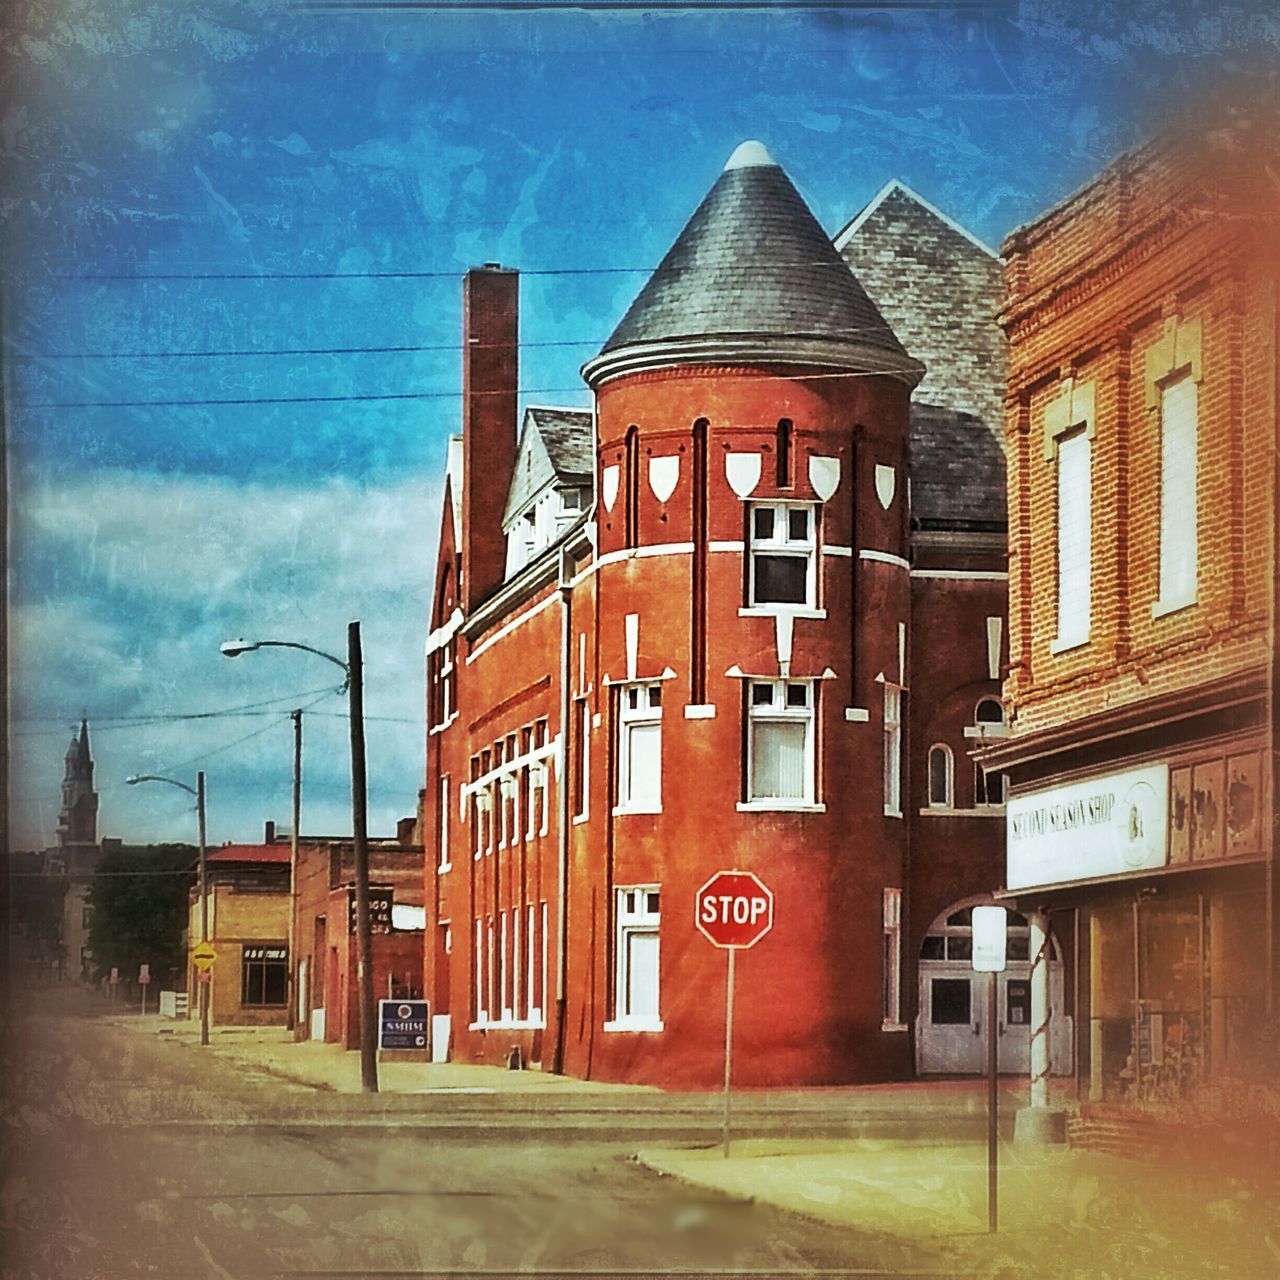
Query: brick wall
[[1156, 267]]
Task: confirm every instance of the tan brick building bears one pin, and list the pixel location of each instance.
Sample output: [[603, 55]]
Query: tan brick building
[[1141, 442]]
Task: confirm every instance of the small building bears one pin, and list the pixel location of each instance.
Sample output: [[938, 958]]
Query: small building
[[1141, 430], [248, 908], [328, 996]]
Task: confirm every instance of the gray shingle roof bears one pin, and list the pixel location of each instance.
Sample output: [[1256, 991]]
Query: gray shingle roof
[[940, 289], [957, 471], [566, 435], [752, 276]]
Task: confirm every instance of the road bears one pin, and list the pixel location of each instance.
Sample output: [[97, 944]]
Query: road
[[130, 1157]]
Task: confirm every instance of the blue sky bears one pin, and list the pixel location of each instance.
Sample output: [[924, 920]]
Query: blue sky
[[216, 148]]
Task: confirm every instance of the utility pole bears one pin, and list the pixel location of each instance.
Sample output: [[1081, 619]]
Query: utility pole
[[294, 994], [360, 841]]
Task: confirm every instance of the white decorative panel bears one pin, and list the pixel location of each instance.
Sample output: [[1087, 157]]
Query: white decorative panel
[[886, 485], [664, 475], [609, 487], [631, 625], [824, 475], [995, 627], [784, 625], [742, 470]]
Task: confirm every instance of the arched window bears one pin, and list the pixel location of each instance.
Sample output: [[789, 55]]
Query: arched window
[[989, 711], [941, 777]]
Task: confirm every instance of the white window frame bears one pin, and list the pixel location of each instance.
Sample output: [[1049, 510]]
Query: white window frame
[[981, 789], [777, 711], [632, 917], [442, 863], [948, 800], [583, 717], [892, 750], [782, 544], [1179, 473], [645, 715], [891, 1013], [1073, 521]]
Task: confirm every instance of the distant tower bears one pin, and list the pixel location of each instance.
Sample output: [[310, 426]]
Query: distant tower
[[78, 819]]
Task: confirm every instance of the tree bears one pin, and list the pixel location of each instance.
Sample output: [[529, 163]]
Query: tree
[[139, 898]]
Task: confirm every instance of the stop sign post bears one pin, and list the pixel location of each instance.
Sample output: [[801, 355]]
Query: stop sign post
[[734, 910]]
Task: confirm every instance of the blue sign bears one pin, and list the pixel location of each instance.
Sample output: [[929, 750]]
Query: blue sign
[[402, 1024]]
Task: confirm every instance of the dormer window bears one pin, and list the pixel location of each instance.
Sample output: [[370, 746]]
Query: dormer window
[[571, 500], [781, 563]]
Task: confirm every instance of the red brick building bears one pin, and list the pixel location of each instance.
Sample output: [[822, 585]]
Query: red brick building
[[1141, 438], [746, 614]]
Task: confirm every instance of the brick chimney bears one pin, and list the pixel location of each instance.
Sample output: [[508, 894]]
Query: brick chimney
[[269, 835], [490, 369]]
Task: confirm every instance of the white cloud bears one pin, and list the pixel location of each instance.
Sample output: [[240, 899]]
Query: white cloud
[[141, 576]]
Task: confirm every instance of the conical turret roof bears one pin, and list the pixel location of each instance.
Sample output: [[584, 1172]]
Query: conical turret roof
[[753, 278]]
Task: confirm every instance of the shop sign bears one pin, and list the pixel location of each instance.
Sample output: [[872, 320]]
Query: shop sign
[[380, 902], [402, 1024], [1103, 826], [277, 954]]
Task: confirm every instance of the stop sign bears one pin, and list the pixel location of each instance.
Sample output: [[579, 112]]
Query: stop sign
[[734, 909]]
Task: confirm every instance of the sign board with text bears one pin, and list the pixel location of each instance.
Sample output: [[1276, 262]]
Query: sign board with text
[[990, 930], [734, 909], [402, 1024], [1104, 826], [380, 903]]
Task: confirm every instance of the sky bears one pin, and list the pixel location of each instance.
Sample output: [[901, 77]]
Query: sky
[[232, 237]]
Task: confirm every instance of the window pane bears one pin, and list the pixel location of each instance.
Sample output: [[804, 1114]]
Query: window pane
[[949, 1002], [797, 695], [762, 523], [641, 786], [778, 761], [933, 948], [1074, 538], [798, 524], [633, 698], [961, 919], [1018, 946], [655, 695], [641, 994], [960, 948], [781, 579], [989, 712], [762, 695], [939, 777], [651, 903]]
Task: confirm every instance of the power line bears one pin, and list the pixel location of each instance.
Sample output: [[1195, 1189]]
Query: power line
[[367, 398], [264, 276], [295, 351]]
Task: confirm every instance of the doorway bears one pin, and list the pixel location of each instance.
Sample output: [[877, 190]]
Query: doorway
[[952, 1009]]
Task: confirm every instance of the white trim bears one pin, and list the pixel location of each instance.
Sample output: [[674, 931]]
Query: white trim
[[979, 811], [726, 546], [883, 194], [700, 711], [440, 728], [857, 715], [519, 620], [893, 1026], [987, 729], [509, 768], [444, 632], [835, 549], [780, 806], [885, 557], [962, 575], [646, 1025], [774, 610]]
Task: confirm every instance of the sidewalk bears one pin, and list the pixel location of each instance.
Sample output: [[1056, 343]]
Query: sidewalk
[[1061, 1213], [329, 1068]]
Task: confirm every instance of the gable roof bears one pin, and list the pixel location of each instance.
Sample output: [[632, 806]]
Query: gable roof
[[554, 444], [957, 471], [259, 854], [752, 276]]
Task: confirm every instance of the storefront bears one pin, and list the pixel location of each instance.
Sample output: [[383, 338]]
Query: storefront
[[1158, 868]]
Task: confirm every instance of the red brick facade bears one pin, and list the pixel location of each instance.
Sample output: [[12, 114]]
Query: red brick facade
[[554, 874], [1160, 272]]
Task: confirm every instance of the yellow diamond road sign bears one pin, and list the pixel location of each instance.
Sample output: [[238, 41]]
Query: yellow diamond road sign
[[203, 955]]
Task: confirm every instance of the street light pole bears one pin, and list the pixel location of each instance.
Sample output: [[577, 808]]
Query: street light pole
[[197, 791], [354, 687]]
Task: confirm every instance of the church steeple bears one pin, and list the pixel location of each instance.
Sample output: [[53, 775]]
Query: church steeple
[[78, 819]]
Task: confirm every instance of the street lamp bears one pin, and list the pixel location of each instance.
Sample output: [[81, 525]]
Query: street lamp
[[353, 685], [198, 792]]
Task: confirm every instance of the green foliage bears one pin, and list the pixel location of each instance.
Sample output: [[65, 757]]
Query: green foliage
[[139, 900], [36, 902]]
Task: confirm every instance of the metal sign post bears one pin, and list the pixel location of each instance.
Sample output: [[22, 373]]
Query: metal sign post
[[734, 910], [144, 980], [989, 934]]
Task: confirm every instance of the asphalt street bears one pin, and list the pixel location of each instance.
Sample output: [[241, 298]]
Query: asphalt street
[[130, 1157]]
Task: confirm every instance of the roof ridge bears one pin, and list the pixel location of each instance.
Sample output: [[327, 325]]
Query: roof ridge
[[855, 224]]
